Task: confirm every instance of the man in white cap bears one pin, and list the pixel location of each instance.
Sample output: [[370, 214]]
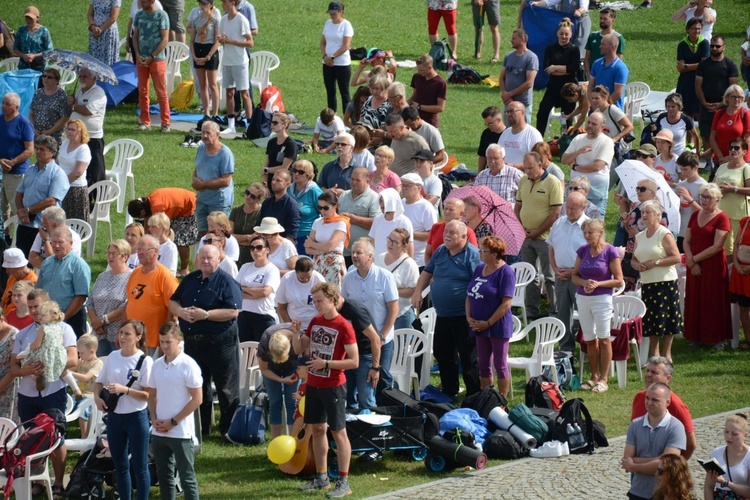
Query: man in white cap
[[420, 212], [336, 175], [17, 269]]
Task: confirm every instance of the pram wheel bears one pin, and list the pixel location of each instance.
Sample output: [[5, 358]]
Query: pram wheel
[[333, 469], [419, 454], [435, 463]]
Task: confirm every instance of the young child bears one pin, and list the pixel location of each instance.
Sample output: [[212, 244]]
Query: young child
[[327, 127], [302, 388], [361, 155], [89, 367], [48, 349], [20, 317]]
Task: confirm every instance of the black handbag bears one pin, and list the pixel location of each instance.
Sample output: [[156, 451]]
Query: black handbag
[[110, 400]]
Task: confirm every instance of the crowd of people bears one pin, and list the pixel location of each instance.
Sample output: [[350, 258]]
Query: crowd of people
[[321, 268]]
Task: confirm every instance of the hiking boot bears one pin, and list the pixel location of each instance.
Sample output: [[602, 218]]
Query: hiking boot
[[143, 128], [316, 484], [341, 489], [165, 129]]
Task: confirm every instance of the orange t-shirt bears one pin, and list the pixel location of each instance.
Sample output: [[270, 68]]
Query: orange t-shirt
[[174, 202], [148, 299], [7, 301]]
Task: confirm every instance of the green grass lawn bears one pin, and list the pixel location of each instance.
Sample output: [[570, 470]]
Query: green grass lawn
[[708, 381]]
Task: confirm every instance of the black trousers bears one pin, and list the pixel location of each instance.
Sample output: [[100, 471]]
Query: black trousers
[[451, 344], [218, 357], [550, 101], [96, 169], [25, 236], [333, 76], [252, 325]]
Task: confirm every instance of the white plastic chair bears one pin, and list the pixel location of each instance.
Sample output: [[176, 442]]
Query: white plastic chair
[[81, 227], [261, 65], [525, 274], [67, 77], [120, 45], [248, 368], [408, 344], [9, 222], [518, 334], [627, 308], [549, 331], [176, 53], [21, 485], [7, 428], [634, 95], [105, 193], [9, 64], [96, 426], [428, 318], [126, 151]]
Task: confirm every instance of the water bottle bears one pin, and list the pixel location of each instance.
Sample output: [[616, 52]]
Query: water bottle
[[579, 438], [571, 435]]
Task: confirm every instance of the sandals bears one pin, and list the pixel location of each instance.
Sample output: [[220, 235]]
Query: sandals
[[745, 346], [600, 387], [58, 492], [495, 60], [588, 385]]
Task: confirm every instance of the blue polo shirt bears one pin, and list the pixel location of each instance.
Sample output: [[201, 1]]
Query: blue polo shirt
[[13, 134], [333, 175], [218, 291], [38, 184], [374, 290], [286, 211], [64, 278], [210, 167], [452, 274], [610, 74]]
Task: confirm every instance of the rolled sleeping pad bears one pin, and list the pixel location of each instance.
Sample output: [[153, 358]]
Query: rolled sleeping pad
[[501, 419], [458, 453]]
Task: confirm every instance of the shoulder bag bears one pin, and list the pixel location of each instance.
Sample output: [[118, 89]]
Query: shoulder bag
[[110, 400]]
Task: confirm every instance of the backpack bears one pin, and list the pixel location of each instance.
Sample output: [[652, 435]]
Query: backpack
[[182, 95], [270, 99], [521, 416], [575, 412], [36, 439], [503, 446], [543, 393], [465, 74], [485, 401], [248, 424], [259, 125], [447, 186], [9, 38], [89, 475], [564, 368], [441, 53]]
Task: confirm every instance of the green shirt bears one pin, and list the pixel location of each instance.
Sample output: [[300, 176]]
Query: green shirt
[[149, 32], [595, 40]]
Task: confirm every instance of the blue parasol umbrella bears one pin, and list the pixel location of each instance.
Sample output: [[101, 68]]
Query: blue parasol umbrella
[[76, 61]]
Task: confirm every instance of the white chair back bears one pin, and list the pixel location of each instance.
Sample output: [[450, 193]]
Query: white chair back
[[626, 307], [7, 428], [248, 367], [176, 53], [104, 193], [261, 65], [67, 76], [81, 227], [428, 317], [9, 222], [126, 151], [9, 64], [407, 345], [525, 274], [634, 94]]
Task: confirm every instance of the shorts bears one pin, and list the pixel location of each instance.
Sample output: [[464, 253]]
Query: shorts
[[741, 300], [175, 9], [29, 407], [202, 50], [433, 20], [185, 230], [235, 77], [86, 414], [326, 406], [595, 315], [704, 124], [491, 10], [203, 211]]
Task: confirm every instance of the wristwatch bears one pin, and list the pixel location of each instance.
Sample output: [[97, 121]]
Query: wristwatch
[[173, 422], [656, 263]]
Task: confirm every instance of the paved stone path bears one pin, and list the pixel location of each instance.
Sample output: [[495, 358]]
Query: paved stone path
[[574, 476]]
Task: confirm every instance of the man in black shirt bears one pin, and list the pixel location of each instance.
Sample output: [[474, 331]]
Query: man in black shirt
[[493, 120]]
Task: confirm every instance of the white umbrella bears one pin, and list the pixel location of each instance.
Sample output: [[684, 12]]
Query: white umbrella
[[633, 171]]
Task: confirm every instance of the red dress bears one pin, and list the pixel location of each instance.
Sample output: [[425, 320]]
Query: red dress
[[740, 284], [707, 315]]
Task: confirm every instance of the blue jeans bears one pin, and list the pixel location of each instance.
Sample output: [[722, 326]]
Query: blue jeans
[[601, 204], [386, 357], [280, 395], [360, 394], [128, 433], [300, 244], [405, 320]]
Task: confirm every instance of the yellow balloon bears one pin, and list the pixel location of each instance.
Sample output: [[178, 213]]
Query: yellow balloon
[[281, 449], [301, 406]]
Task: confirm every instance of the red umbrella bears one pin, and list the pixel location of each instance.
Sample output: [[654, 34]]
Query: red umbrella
[[497, 212]]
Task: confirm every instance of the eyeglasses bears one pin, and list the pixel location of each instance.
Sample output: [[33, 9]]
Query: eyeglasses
[[340, 144], [50, 76], [257, 248], [113, 254], [706, 197], [642, 189], [144, 250], [484, 250], [211, 241], [576, 188], [716, 46], [734, 148], [511, 111], [251, 195], [659, 471], [380, 155], [739, 97], [391, 241], [323, 208], [300, 172]]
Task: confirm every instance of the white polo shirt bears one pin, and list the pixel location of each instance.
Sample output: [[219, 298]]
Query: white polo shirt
[[172, 381]]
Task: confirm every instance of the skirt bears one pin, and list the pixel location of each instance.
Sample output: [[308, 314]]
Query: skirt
[[76, 203], [663, 315], [185, 230], [331, 266], [202, 50]]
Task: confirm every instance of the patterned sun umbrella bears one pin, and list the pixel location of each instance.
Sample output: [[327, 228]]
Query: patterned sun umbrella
[[497, 212], [76, 61], [632, 171]]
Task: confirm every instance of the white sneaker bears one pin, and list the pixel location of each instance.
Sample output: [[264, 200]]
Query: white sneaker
[[228, 131], [550, 449]]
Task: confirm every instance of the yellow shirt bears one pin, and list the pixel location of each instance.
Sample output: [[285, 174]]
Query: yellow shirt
[[537, 199]]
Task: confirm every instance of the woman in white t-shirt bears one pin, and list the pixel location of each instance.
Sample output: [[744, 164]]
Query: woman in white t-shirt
[[293, 298], [283, 251], [259, 280], [158, 227], [406, 272], [74, 157], [329, 236], [334, 47], [736, 453], [128, 422]]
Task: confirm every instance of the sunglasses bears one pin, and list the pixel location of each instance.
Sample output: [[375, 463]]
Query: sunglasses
[[257, 248], [576, 188], [211, 241], [706, 197], [50, 76], [641, 155], [642, 189], [340, 143], [734, 148], [659, 471], [251, 195], [300, 172], [716, 46], [274, 122], [323, 208]]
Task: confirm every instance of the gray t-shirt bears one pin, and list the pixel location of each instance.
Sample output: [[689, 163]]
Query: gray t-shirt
[[515, 73], [650, 443]]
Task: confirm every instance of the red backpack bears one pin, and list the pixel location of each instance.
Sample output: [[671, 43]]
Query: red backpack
[[270, 99], [43, 435]]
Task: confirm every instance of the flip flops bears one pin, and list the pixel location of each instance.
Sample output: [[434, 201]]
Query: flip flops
[[588, 385]]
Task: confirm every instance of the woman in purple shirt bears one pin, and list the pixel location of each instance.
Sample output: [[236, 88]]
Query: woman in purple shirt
[[488, 299], [597, 272]]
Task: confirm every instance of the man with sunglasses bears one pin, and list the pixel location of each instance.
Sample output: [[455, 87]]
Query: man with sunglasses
[[336, 175], [649, 437], [361, 204]]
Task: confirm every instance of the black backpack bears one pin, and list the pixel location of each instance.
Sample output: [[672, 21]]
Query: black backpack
[[465, 74], [259, 125], [503, 446], [575, 412], [541, 392], [485, 401], [447, 186]]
